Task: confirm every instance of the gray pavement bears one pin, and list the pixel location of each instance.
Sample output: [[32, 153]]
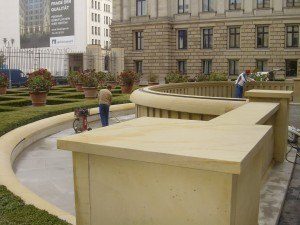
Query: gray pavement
[[291, 210], [48, 172]]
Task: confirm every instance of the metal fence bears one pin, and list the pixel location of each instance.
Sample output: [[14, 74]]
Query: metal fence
[[58, 61]]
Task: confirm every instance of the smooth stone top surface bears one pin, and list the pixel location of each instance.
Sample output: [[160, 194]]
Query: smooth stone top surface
[[184, 143], [268, 94], [251, 113]]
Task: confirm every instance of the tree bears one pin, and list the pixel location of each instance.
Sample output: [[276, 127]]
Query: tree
[[2, 59]]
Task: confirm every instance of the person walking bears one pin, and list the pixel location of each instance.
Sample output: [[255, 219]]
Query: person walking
[[105, 99], [240, 83]]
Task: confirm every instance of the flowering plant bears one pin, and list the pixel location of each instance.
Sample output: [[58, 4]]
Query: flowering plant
[[127, 78], [74, 78], [259, 76], [101, 78], [176, 77], [212, 77], [40, 81], [153, 78], [3, 80], [109, 77], [89, 78]]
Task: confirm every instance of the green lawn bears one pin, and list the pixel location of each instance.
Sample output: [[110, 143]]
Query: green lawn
[[16, 111]]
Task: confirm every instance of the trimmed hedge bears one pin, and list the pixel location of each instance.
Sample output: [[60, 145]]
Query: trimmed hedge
[[16, 103], [13, 211], [27, 115]]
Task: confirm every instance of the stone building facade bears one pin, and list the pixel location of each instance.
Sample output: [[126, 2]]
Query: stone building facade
[[204, 36]]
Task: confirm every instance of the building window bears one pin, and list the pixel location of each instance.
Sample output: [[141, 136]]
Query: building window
[[292, 36], [207, 6], [92, 29], [182, 39], [207, 66], [293, 3], [182, 66], [183, 6], [234, 37], [235, 4], [261, 65], [141, 7], [291, 67], [207, 38], [261, 4], [233, 67], [139, 44], [262, 37], [139, 67]]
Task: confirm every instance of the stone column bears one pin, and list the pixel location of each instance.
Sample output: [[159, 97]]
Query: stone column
[[248, 6], [132, 8], [117, 10], [152, 7], [281, 117], [194, 7], [277, 5], [220, 7], [126, 10], [163, 8], [296, 90]]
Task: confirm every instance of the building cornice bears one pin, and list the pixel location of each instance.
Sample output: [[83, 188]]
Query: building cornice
[[197, 20]]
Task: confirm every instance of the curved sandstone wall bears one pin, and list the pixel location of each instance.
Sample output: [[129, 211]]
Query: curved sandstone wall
[[158, 102], [14, 142]]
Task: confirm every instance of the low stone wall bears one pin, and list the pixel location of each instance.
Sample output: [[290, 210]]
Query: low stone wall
[[173, 171], [14, 142], [225, 89], [152, 103]]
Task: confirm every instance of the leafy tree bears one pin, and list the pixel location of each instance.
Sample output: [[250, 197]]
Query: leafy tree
[[2, 59]]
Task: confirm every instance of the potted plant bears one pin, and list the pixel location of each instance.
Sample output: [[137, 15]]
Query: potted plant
[[176, 77], [126, 80], [201, 77], [111, 80], [101, 77], [39, 83], [138, 78], [3, 83], [90, 83], [74, 79], [218, 77], [153, 79]]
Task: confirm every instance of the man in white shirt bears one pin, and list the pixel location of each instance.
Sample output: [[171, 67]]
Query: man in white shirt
[[240, 83]]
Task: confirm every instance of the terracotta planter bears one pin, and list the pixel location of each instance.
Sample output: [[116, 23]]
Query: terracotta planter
[[3, 90], [112, 84], [39, 98], [90, 92], [79, 87], [126, 89], [153, 83]]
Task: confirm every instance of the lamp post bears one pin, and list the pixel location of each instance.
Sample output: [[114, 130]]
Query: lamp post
[[8, 45]]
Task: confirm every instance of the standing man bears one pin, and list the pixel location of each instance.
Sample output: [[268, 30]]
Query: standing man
[[240, 83], [105, 98]]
